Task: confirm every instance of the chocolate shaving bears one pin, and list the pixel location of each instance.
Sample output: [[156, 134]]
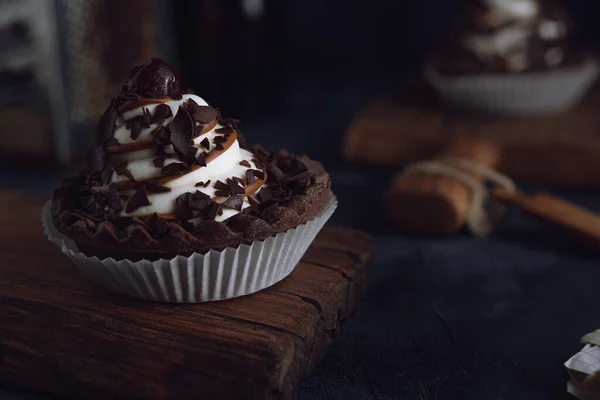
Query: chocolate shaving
[[137, 123], [207, 183], [201, 161], [249, 177], [174, 169], [199, 184], [183, 210], [161, 112], [245, 163], [221, 186], [234, 187], [159, 226], [219, 146], [160, 151], [219, 139], [200, 201], [204, 114], [190, 106], [275, 172], [112, 142], [182, 129], [222, 193], [191, 154], [234, 202], [96, 158], [106, 175], [212, 211], [114, 202], [153, 187], [239, 181], [259, 174], [198, 130], [201, 195], [137, 200], [225, 129], [205, 143], [258, 163], [161, 135], [120, 168], [106, 126], [159, 162], [264, 195], [253, 203]]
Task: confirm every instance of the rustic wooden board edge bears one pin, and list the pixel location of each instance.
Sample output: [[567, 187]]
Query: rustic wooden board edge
[[293, 352]]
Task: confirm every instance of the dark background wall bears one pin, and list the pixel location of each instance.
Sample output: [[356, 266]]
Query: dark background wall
[[330, 43]]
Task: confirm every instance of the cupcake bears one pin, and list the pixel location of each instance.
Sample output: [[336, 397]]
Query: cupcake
[[512, 57], [173, 205]]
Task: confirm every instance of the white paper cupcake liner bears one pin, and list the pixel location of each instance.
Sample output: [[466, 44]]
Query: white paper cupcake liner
[[537, 93], [216, 275]]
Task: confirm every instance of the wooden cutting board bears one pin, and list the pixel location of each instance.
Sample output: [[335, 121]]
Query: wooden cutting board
[[61, 333], [562, 149]]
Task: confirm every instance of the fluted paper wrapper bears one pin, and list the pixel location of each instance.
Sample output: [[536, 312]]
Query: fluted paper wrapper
[[586, 363], [535, 93], [216, 275]]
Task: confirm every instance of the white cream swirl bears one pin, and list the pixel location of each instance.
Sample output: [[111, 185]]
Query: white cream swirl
[[140, 163], [514, 9], [511, 23]]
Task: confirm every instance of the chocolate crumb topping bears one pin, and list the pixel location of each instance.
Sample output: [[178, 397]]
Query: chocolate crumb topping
[[137, 200], [234, 202], [174, 169]]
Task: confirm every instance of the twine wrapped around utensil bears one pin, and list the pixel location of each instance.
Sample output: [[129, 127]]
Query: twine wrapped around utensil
[[438, 197]]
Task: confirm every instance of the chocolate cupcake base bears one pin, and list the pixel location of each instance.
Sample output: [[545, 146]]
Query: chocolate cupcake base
[[214, 275]]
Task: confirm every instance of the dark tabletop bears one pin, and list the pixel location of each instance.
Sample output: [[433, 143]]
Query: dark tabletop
[[454, 318]]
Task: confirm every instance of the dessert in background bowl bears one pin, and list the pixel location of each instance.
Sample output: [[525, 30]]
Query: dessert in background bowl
[[514, 57], [174, 206]]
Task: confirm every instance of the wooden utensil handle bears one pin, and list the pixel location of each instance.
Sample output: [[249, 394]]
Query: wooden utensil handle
[[578, 222]]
